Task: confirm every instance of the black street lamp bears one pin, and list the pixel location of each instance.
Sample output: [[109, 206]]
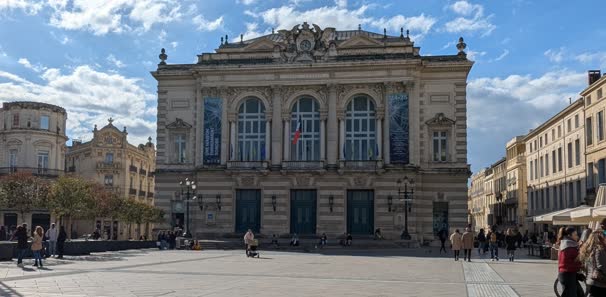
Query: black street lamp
[[190, 195], [407, 198]]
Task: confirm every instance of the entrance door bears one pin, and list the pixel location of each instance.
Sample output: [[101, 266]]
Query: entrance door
[[10, 220], [303, 211], [41, 219], [248, 210], [360, 212]]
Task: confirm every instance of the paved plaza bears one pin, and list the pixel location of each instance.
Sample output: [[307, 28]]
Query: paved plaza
[[229, 273]]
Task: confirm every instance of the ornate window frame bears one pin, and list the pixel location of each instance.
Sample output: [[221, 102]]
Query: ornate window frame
[[440, 124], [179, 127]]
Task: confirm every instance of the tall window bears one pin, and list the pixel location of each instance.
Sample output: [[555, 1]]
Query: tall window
[[12, 158], [536, 170], [569, 125], [601, 171], [589, 130], [180, 145], [559, 131], [555, 197], [16, 120], [590, 175], [569, 154], [546, 139], [576, 121], [531, 193], [541, 142], [439, 146], [109, 180], [44, 122], [42, 159], [109, 158], [547, 197], [570, 194], [546, 164], [541, 169], [599, 93], [553, 134], [577, 152], [360, 134], [531, 171], [306, 113], [559, 159], [542, 198], [251, 130], [553, 161], [600, 126], [578, 185], [562, 196]]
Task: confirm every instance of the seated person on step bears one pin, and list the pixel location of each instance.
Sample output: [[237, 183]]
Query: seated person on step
[[378, 235], [348, 239], [323, 240], [274, 241], [295, 240]]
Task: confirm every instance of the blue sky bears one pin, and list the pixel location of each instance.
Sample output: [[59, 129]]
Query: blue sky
[[93, 57]]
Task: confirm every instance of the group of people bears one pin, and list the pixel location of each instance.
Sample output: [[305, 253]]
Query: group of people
[[167, 240], [43, 244], [486, 241], [585, 254], [462, 242]]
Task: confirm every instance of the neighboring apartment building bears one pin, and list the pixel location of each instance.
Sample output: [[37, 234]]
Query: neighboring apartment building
[[516, 201], [477, 201], [308, 130], [125, 169], [496, 203], [32, 140], [555, 158], [595, 136]]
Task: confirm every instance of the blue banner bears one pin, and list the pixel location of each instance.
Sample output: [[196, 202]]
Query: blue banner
[[213, 111], [398, 128]]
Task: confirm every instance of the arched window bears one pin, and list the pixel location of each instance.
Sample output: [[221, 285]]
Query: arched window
[[360, 129], [251, 130], [307, 147]]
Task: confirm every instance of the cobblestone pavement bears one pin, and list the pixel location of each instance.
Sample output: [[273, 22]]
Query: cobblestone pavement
[[229, 273]]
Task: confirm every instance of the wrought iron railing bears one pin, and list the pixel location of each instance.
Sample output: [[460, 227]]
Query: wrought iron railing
[[360, 164], [106, 165], [45, 172], [255, 165], [302, 165], [132, 168], [141, 193]]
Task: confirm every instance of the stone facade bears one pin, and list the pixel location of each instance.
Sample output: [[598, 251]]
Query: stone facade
[[344, 90], [121, 167], [516, 203], [32, 140], [477, 201], [595, 137]]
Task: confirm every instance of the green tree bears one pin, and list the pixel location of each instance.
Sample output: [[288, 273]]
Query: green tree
[[72, 198], [23, 192]]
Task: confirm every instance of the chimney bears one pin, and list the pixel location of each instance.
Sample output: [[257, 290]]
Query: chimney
[[593, 76]]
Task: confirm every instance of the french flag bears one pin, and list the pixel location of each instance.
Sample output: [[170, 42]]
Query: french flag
[[297, 132]]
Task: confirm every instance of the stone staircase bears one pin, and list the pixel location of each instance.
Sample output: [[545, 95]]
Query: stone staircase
[[307, 244]]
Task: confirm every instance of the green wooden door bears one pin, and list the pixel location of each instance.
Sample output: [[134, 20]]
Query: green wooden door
[[303, 211], [248, 210], [360, 212]]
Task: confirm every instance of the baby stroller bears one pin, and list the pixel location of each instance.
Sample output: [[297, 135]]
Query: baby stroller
[[252, 249]]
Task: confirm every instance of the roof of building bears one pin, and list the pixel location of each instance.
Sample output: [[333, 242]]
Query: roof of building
[[32, 105], [576, 104]]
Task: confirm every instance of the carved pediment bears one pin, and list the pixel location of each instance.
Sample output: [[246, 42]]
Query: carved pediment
[[440, 120], [178, 124], [360, 42]]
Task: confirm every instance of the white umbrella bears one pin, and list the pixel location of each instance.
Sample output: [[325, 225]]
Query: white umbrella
[[548, 217], [588, 215], [600, 200], [564, 217]]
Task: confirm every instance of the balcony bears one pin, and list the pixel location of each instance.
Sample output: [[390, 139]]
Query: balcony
[[132, 168], [141, 193], [142, 171], [364, 165], [132, 191], [302, 165], [247, 165], [43, 172], [108, 166]]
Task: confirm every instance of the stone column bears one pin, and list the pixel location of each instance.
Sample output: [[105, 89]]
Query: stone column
[[232, 140], [341, 138], [286, 139], [267, 140], [332, 137], [379, 134], [322, 138], [276, 129]]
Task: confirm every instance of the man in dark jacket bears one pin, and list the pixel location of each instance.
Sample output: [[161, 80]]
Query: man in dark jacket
[[22, 246], [61, 242]]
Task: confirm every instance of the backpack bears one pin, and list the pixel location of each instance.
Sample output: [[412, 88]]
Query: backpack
[[493, 237]]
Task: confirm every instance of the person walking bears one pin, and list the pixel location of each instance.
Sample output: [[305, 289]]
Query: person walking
[[456, 242], [593, 256], [568, 264], [511, 239], [37, 246], [3, 235], [467, 240], [443, 235], [248, 239], [52, 234], [493, 244], [481, 242], [21, 236], [61, 238]]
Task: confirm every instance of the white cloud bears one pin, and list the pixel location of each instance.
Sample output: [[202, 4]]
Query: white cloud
[[503, 55], [473, 55], [555, 55], [206, 25], [596, 59], [420, 24], [174, 44], [341, 3], [162, 35], [114, 61], [501, 108], [101, 17], [471, 19], [90, 97], [246, 2], [29, 7], [36, 68]]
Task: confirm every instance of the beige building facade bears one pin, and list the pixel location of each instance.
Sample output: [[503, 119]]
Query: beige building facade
[[595, 137], [477, 200], [556, 162], [123, 168], [516, 198], [32, 140], [309, 130]]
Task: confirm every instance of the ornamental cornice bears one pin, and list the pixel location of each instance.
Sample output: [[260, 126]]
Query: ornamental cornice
[[394, 87]]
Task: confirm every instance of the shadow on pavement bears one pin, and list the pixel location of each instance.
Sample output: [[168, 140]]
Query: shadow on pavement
[[8, 291]]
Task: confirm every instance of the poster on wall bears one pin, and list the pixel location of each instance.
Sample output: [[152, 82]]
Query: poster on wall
[[213, 110], [398, 128]]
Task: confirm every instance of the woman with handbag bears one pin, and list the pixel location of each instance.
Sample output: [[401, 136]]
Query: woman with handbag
[[593, 256], [568, 264]]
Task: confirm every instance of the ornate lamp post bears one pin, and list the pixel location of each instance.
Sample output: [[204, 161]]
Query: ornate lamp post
[[188, 188], [406, 197]]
